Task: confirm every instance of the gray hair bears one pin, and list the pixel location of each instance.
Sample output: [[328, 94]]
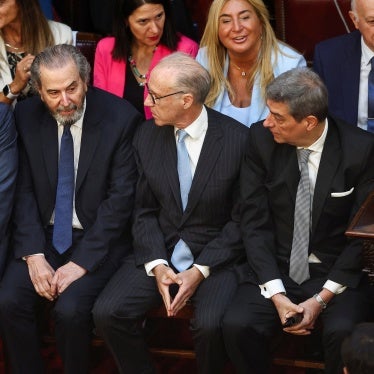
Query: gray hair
[[353, 6], [189, 75], [302, 90], [58, 56]]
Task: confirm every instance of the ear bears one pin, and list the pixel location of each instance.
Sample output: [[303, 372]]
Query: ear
[[354, 18], [311, 122], [187, 100]]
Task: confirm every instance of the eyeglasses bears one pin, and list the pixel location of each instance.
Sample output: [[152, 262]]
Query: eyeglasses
[[155, 99]]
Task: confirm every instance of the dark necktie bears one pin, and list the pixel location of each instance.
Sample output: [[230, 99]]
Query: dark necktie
[[370, 123], [62, 230], [299, 266], [182, 257]]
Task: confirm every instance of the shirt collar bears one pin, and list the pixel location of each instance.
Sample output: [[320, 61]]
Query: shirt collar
[[317, 146], [367, 53], [197, 127]]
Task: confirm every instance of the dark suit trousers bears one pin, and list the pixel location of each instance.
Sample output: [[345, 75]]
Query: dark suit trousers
[[252, 322], [72, 313], [120, 309]]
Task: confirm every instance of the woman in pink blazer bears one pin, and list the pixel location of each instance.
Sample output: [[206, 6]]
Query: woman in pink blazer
[[143, 34]]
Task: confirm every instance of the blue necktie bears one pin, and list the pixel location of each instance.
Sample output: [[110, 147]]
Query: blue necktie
[[299, 262], [370, 123], [182, 257], [62, 230]]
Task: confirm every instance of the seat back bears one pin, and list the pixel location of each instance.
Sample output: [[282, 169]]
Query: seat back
[[304, 23], [86, 42]]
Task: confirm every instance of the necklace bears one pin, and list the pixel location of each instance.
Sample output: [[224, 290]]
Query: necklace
[[10, 46], [243, 73], [136, 71]]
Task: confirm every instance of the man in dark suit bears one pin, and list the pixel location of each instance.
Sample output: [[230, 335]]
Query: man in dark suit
[[295, 220], [8, 174], [343, 63], [206, 227], [74, 201]]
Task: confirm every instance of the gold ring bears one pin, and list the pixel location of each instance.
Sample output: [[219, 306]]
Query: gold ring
[[25, 69]]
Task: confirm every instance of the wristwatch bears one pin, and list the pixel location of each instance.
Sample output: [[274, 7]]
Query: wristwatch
[[320, 301], [8, 93]]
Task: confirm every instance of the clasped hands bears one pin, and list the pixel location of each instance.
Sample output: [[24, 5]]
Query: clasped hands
[[309, 310], [49, 283], [187, 281]]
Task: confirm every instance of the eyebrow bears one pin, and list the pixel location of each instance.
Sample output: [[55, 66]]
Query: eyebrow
[[240, 13]]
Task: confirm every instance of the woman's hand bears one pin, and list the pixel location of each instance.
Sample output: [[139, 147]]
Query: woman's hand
[[22, 75]]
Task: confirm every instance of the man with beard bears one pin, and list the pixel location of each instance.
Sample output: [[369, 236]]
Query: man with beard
[[74, 200]]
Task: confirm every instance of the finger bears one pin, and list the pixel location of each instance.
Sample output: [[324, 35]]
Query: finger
[[166, 298], [179, 301], [174, 277]]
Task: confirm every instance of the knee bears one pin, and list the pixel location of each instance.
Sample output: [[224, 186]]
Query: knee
[[102, 315], [106, 317], [236, 326], [335, 331], [9, 304], [71, 313]]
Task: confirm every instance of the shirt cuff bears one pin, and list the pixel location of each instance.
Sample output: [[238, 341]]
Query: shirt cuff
[[149, 266], [205, 271], [271, 288], [24, 258], [334, 287]]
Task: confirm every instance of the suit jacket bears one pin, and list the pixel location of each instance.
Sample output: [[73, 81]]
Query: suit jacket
[[109, 74], [210, 223], [338, 62], [8, 174], [269, 181], [105, 181]]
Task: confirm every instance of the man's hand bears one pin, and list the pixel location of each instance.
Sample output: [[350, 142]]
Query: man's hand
[[41, 274], [286, 308], [312, 310], [191, 279], [65, 275], [165, 276]]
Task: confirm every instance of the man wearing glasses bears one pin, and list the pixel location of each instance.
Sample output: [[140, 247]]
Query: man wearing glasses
[[186, 232]]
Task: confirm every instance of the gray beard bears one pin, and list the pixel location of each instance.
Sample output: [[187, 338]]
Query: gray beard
[[69, 120]]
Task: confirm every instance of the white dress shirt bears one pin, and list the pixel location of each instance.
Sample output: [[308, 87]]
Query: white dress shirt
[[366, 55]]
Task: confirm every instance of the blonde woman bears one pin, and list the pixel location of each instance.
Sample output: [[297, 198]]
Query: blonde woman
[[242, 54]]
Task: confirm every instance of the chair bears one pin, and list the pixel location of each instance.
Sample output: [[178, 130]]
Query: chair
[[86, 42], [304, 23]]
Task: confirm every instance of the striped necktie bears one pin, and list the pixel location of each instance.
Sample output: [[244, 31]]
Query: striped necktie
[[299, 265]]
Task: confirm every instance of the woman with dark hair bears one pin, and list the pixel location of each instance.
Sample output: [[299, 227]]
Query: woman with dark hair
[[24, 32], [144, 33]]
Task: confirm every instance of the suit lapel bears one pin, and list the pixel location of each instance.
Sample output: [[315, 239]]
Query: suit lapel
[[210, 152], [49, 141], [90, 139], [169, 149], [290, 171], [330, 160]]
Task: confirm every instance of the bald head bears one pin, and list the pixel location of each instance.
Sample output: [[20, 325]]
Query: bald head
[[362, 15]]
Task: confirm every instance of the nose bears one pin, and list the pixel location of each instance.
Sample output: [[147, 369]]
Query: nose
[[153, 27], [236, 24], [148, 101], [64, 99], [268, 121]]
